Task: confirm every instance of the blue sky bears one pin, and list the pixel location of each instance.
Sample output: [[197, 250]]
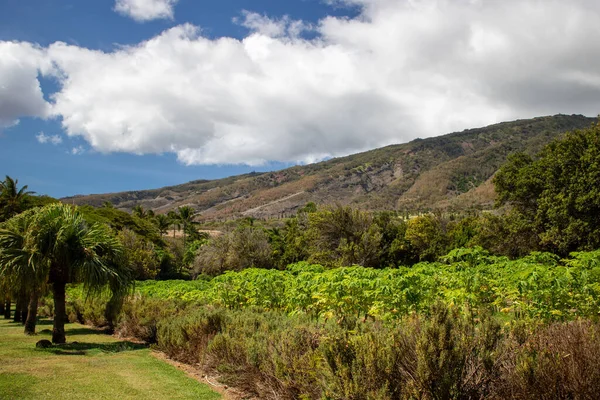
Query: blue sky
[[53, 169], [112, 95]]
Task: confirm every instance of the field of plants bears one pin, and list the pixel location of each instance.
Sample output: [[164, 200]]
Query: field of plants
[[469, 326], [540, 286]]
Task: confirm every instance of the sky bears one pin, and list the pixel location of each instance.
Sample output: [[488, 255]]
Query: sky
[[112, 95]]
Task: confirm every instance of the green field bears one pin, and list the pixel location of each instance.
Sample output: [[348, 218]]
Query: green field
[[96, 367]]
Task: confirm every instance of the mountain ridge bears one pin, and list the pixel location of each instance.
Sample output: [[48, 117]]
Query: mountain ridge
[[450, 172]]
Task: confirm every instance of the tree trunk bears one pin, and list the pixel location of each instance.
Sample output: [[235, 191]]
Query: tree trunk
[[32, 313], [112, 310], [18, 308], [7, 309], [58, 332], [24, 311], [1, 304]]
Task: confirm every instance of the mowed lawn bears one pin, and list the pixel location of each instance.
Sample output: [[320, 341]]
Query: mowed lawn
[[96, 367]]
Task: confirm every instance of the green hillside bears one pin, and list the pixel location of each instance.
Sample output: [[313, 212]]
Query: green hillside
[[450, 172]]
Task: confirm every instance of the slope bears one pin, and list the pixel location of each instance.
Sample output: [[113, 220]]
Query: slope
[[450, 172]]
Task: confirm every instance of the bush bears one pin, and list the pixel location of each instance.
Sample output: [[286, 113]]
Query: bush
[[444, 355]]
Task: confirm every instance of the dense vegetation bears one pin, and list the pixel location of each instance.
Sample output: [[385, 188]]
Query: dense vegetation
[[539, 286], [471, 326], [337, 302]]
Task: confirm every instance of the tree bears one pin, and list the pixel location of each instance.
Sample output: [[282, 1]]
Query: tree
[[558, 192], [174, 219], [20, 266], [139, 254], [12, 199], [343, 236], [139, 211], [426, 236], [393, 248], [186, 217], [214, 257], [245, 247], [72, 251], [295, 241], [162, 223]]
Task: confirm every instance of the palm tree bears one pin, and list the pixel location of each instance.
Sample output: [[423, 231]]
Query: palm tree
[[186, 216], [162, 223], [139, 211], [20, 266], [174, 219], [12, 199], [72, 251]]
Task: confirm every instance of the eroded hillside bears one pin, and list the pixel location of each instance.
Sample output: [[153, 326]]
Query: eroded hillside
[[450, 172]]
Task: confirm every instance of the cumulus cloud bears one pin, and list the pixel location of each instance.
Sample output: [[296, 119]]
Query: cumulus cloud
[[20, 92], [400, 70], [146, 10], [53, 139]]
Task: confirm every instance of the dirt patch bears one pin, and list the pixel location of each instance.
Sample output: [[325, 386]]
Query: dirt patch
[[198, 374]]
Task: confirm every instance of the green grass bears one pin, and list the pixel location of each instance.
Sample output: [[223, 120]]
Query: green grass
[[91, 366]]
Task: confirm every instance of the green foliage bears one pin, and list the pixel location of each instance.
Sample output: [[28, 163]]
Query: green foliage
[[245, 247], [139, 254], [119, 220], [55, 245], [538, 286], [444, 355], [557, 194], [343, 236], [425, 236], [12, 199], [162, 223]]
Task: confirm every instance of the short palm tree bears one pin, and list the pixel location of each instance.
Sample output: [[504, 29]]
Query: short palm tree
[[19, 265], [72, 251], [139, 211], [162, 223]]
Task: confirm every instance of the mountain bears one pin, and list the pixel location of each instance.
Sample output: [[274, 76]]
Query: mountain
[[450, 172]]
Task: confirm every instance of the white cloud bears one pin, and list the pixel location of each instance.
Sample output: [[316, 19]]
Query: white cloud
[[399, 70], [77, 150], [146, 10], [270, 27], [20, 92], [53, 139]]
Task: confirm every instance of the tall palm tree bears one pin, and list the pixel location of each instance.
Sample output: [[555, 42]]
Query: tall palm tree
[[174, 219], [72, 251], [186, 216], [12, 199]]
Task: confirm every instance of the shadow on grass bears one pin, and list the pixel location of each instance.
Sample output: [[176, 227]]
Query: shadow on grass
[[85, 331], [80, 349]]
